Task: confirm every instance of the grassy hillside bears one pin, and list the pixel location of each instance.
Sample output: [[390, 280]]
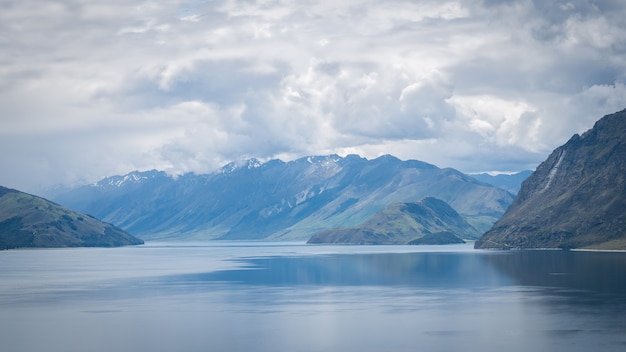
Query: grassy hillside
[[429, 221], [30, 221]]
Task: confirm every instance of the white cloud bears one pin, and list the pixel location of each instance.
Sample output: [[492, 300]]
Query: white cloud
[[501, 122], [89, 89]]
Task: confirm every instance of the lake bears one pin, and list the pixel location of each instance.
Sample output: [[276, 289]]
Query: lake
[[264, 296]]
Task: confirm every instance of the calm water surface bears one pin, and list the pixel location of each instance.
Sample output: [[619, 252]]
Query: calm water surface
[[256, 296]]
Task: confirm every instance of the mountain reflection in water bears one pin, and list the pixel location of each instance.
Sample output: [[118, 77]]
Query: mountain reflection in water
[[419, 270], [597, 278], [591, 272]]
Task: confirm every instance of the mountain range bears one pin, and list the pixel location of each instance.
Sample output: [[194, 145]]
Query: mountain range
[[31, 221], [575, 199], [279, 200]]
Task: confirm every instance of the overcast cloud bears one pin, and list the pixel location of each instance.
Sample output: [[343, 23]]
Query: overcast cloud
[[95, 88]]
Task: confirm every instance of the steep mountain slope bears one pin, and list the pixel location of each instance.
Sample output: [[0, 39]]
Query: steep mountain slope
[[30, 221], [279, 200], [575, 199], [428, 221]]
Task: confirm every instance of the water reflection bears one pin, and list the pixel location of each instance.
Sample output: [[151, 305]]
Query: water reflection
[[237, 298], [422, 270], [591, 271], [581, 271], [583, 278], [577, 279]]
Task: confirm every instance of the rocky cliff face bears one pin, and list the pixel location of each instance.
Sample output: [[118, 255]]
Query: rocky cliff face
[[575, 199]]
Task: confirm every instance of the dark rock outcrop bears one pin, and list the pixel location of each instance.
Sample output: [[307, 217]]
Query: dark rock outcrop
[[575, 199]]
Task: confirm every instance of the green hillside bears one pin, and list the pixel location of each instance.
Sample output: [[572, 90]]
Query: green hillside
[[429, 221], [30, 221]]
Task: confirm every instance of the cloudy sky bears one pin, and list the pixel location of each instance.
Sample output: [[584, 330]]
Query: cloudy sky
[[96, 88]]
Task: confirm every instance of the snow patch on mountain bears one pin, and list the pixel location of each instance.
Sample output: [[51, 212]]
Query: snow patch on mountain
[[306, 194], [135, 177], [247, 164], [325, 160]]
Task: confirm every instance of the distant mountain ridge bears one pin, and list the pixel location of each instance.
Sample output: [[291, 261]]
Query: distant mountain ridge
[[428, 221], [279, 200], [509, 182], [31, 221], [575, 199]]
